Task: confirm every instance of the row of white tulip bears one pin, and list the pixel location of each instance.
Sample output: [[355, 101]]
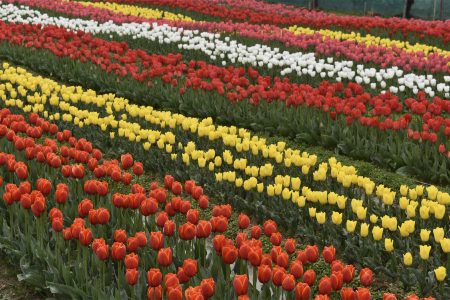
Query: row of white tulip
[[226, 50]]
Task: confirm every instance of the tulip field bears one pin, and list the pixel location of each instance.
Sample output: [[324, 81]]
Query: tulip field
[[223, 149]]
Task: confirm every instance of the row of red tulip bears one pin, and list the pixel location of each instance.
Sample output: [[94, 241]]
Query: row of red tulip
[[174, 259]]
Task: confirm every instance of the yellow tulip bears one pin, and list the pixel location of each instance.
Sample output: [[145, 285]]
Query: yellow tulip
[[389, 245], [413, 194], [419, 190], [445, 245], [270, 190], [404, 232], [392, 224], [403, 202], [424, 212], [278, 189], [425, 235], [373, 219], [407, 259], [432, 192], [377, 233], [361, 212], [439, 211], [411, 211], [424, 252], [364, 231], [350, 226], [403, 190], [312, 212], [438, 234], [239, 182], [440, 273], [321, 217], [260, 187], [341, 202], [286, 194], [295, 183], [336, 218]]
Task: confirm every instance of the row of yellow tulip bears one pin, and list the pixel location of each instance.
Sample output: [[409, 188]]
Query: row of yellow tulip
[[130, 10], [113, 114]]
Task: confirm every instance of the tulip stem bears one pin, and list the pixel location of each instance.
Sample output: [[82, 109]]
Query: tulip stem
[[255, 272]]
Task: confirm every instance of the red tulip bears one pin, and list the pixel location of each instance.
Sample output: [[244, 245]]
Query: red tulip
[[181, 275], [240, 284], [148, 207], [219, 224], [154, 293], [169, 228], [276, 238], [301, 256], [329, 254], [348, 294], [168, 181], [154, 277], [288, 282], [208, 287], [312, 252], [290, 246], [171, 280], [278, 274], [61, 196], [126, 161], [203, 202], [302, 291], [363, 294], [283, 260], [118, 251], [229, 254], [204, 229], [264, 273], [57, 224], [174, 293], [270, 227], [138, 169], [366, 277], [132, 276], [120, 236], [389, 296], [132, 261], [164, 257], [412, 297], [85, 236], [337, 266], [348, 272], [177, 188], [325, 286], [132, 244], [187, 231], [141, 238], [243, 221], [296, 269], [193, 216], [84, 207], [161, 219], [103, 215], [190, 267], [309, 277], [255, 256], [337, 280], [218, 243], [156, 240], [255, 232]]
